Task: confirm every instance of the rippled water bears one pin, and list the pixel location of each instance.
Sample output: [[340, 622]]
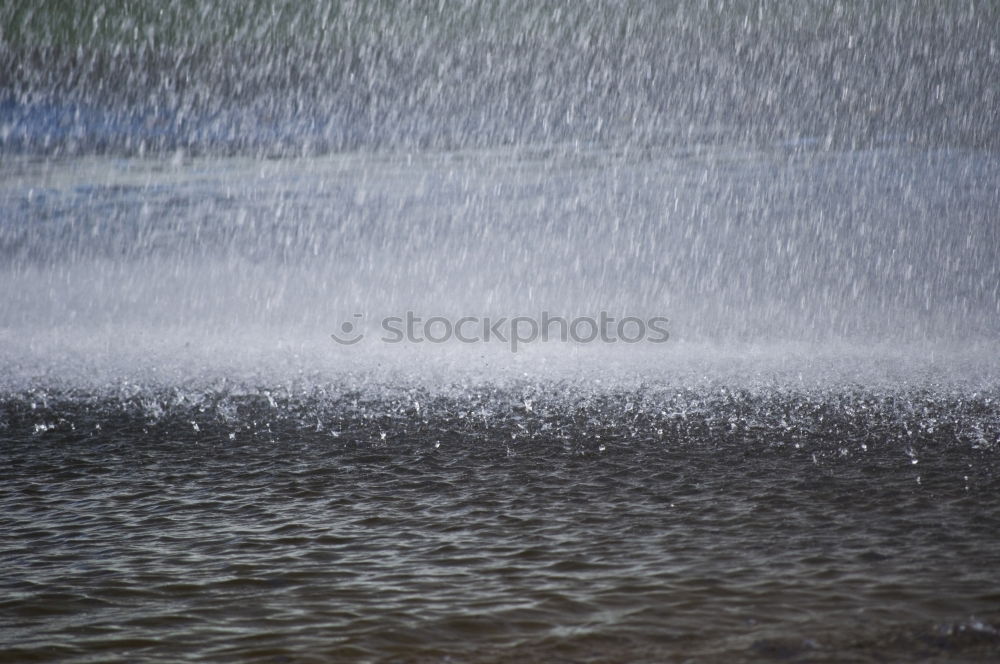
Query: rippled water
[[519, 519]]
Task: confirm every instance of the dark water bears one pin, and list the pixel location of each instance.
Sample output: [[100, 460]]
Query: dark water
[[531, 521]]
